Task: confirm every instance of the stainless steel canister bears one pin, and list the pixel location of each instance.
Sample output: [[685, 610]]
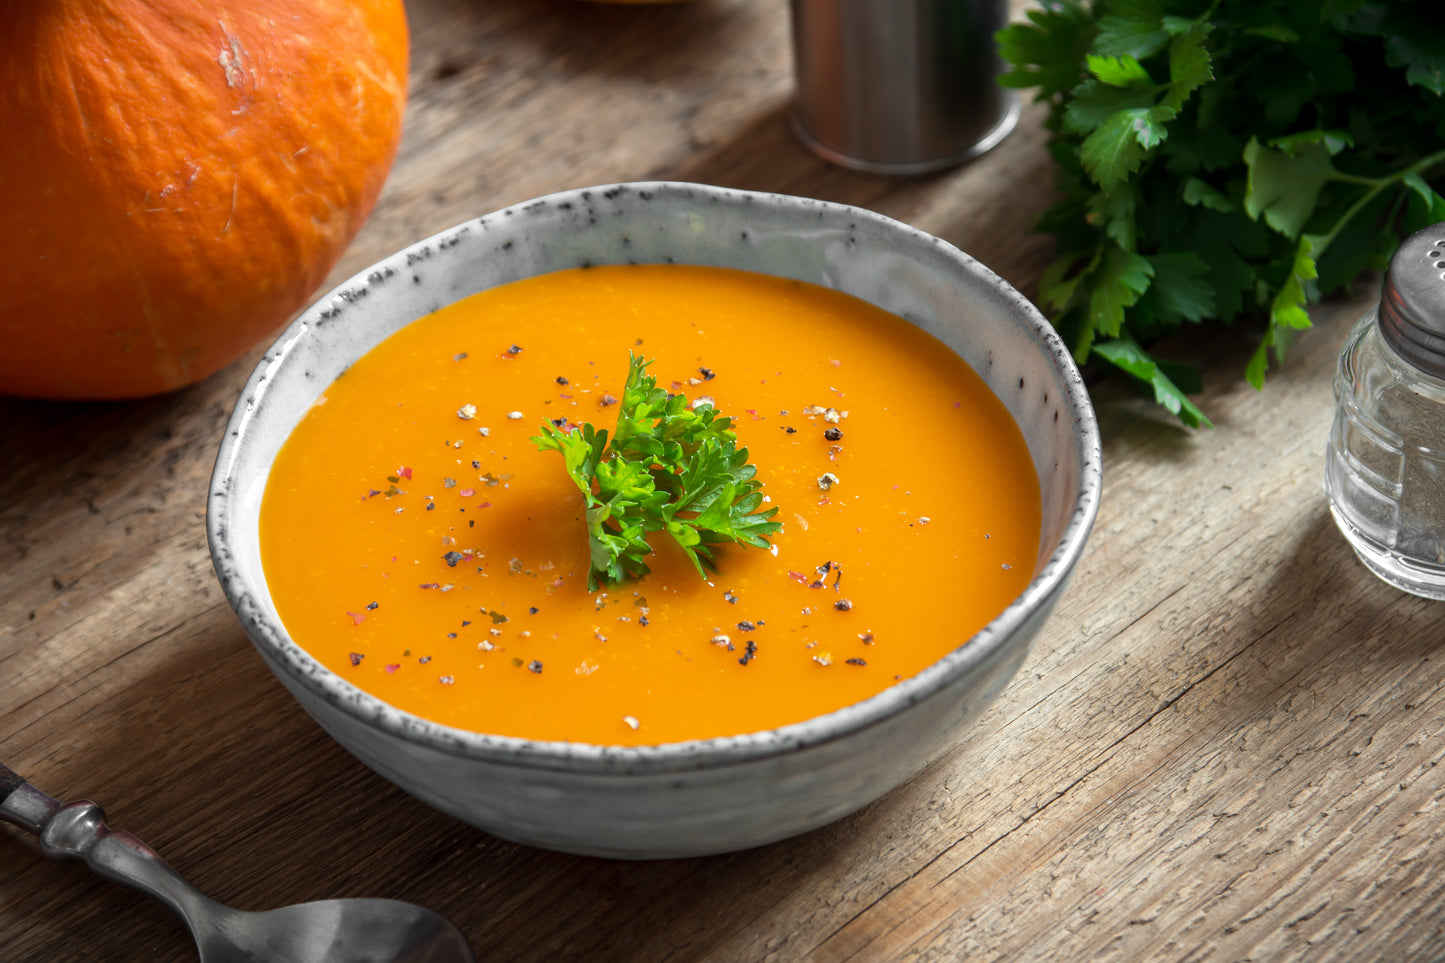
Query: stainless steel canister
[[900, 86]]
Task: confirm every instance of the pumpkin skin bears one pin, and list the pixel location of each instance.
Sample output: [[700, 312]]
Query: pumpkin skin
[[177, 178]]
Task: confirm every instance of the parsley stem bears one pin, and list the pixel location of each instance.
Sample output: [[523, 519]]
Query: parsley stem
[[1376, 185]]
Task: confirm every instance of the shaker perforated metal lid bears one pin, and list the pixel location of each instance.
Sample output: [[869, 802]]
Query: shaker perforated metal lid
[[1412, 303]]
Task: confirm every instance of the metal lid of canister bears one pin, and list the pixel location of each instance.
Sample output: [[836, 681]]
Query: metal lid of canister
[[1412, 302]]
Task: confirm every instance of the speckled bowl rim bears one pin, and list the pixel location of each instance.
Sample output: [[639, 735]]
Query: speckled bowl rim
[[270, 637]]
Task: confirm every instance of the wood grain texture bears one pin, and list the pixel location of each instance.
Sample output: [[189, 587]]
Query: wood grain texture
[[1223, 747]]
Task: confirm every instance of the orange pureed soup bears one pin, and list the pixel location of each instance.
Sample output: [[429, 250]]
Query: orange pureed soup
[[418, 544]]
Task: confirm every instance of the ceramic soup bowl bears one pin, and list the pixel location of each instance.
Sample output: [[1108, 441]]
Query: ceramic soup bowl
[[710, 795]]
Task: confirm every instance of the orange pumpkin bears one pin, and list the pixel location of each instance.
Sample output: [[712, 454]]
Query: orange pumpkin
[[177, 178]]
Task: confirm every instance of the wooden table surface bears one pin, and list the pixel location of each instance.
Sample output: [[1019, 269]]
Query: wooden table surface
[[1222, 746]]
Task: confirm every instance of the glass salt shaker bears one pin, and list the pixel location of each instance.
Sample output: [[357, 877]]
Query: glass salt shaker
[[1385, 460]]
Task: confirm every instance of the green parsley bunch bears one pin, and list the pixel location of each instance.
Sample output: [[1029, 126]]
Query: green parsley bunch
[[671, 467], [1225, 160]]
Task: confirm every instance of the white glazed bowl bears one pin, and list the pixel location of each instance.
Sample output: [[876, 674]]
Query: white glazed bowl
[[704, 796]]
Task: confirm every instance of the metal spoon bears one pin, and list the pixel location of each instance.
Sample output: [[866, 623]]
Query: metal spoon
[[331, 931]]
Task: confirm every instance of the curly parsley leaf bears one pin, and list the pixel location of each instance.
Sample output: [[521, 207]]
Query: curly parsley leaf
[[1116, 286], [1124, 353], [1132, 28], [1226, 160], [1412, 38], [671, 467], [1047, 55], [1285, 179], [1180, 290]]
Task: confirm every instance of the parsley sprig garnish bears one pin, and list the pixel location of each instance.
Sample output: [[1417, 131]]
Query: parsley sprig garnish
[[671, 467], [1226, 159]]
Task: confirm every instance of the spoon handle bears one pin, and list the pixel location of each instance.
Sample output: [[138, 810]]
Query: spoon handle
[[23, 804], [77, 830]]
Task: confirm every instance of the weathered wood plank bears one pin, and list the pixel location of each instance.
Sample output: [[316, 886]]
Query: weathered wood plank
[[1222, 747]]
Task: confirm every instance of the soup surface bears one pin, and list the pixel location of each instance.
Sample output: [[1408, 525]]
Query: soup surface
[[418, 544]]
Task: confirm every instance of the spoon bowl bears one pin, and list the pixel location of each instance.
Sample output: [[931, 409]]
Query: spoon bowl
[[328, 931], [355, 930]]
